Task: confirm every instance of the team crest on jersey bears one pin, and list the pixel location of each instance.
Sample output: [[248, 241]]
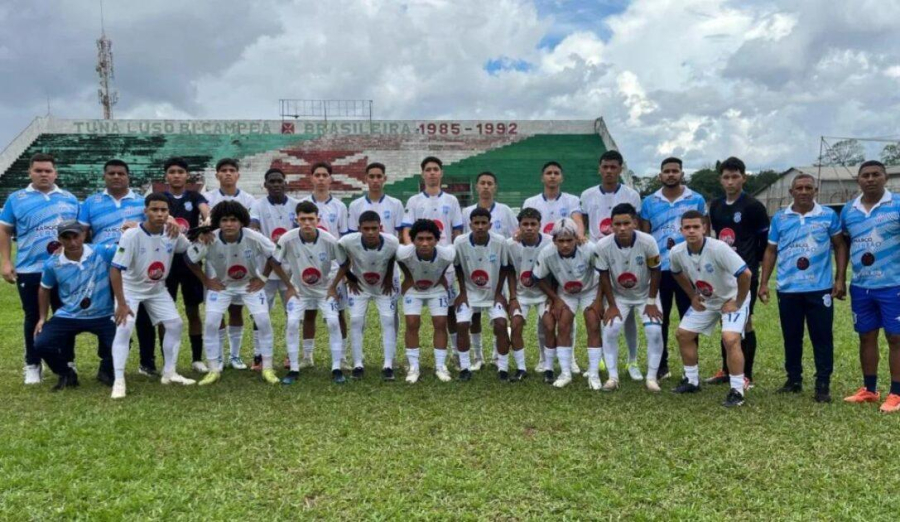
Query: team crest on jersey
[[737, 217], [323, 256], [709, 268], [492, 258], [248, 253], [53, 246], [372, 278], [627, 280], [156, 270], [237, 272], [705, 289], [526, 279], [480, 277], [445, 209], [332, 217], [188, 206], [564, 212], [639, 260], [573, 287], [311, 276], [387, 215]]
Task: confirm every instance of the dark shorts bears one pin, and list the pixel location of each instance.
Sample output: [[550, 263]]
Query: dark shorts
[[180, 275], [754, 288]]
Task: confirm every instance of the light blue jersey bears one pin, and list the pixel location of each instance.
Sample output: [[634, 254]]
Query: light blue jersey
[[33, 216], [874, 241], [105, 215], [664, 217], [804, 248], [84, 287]]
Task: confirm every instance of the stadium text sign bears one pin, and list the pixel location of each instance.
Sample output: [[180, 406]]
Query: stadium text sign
[[294, 127]]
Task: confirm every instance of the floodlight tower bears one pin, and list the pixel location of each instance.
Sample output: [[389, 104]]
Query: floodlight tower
[[108, 97]]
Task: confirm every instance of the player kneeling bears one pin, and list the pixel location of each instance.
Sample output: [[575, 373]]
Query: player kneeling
[[628, 261], [481, 267], [369, 271], [235, 257], [423, 264], [719, 281], [574, 267]]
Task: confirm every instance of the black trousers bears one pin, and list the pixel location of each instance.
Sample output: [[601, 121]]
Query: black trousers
[[816, 310], [59, 332], [29, 285], [669, 290]]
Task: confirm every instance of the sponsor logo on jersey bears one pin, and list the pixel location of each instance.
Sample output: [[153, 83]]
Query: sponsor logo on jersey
[[277, 233], [423, 284], [526, 279], [728, 236], [480, 277], [53, 246], [439, 223], [372, 278], [803, 263], [868, 259], [705, 289], [183, 224], [156, 270], [670, 243], [237, 272], [627, 280], [606, 226], [548, 228], [573, 287], [311, 276]]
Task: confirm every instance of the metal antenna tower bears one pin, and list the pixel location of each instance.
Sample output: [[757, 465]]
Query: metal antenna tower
[[104, 69]]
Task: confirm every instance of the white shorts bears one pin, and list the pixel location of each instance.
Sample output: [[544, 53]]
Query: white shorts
[[296, 306], [464, 312], [705, 322], [359, 303], [452, 289], [160, 306], [341, 289], [412, 305], [218, 302], [580, 300], [274, 286], [627, 309]]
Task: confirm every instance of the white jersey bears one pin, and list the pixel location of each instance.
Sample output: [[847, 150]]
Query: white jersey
[[481, 266], [145, 260], [503, 220], [523, 258], [274, 220], [713, 271], [629, 267], [575, 274], [332, 215], [566, 205], [443, 209], [389, 209], [234, 264], [214, 197], [597, 205], [426, 273], [369, 265], [310, 262]]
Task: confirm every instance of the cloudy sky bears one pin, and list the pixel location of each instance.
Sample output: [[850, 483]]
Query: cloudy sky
[[702, 79]]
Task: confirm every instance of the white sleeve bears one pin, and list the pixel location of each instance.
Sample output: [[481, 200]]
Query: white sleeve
[[675, 262], [197, 252], [730, 260], [125, 253], [602, 262], [182, 244]]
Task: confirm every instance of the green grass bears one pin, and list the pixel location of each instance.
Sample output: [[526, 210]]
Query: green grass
[[486, 450]]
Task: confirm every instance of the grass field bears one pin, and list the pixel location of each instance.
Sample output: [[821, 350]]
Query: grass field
[[481, 450]]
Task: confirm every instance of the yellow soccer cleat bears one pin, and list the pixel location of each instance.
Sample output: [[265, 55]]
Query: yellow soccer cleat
[[210, 378], [269, 376]]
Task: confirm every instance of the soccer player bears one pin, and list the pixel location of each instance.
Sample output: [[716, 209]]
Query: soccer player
[[802, 238], [743, 223], [228, 173], [369, 272], [235, 259], [597, 204], [628, 261], [138, 276], [310, 253], [31, 215], [81, 276], [272, 216], [872, 223], [719, 282], [573, 265], [424, 264], [332, 219], [660, 216], [553, 203], [106, 215], [523, 252], [481, 267], [189, 208], [389, 209]]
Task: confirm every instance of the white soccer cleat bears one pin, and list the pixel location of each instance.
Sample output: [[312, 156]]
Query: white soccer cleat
[[476, 365], [442, 374], [175, 378], [594, 382], [306, 362], [575, 368], [237, 363], [200, 366], [563, 380], [33, 373], [345, 362], [540, 367], [653, 386], [412, 376], [118, 389], [634, 372], [610, 385]]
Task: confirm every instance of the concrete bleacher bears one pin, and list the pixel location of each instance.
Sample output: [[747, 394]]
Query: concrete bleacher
[[81, 148]]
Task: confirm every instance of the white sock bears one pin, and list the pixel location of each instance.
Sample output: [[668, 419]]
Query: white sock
[[171, 344], [221, 339], [564, 354], [308, 345], [549, 358], [465, 361], [519, 357], [356, 339], [477, 347], [440, 358], [293, 342], [693, 374], [412, 357], [503, 362], [453, 338], [255, 337], [494, 353], [335, 342], [654, 349], [236, 337], [267, 363], [120, 347], [212, 338], [388, 339], [737, 382], [594, 355]]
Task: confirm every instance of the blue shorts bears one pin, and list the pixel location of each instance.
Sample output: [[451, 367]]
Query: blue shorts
[[875, 308]]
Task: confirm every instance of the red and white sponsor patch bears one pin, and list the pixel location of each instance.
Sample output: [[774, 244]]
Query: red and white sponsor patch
[[183, 224], [526, 279], [606, 226], [311, 276], [53, 246], [423, 284], [439, 223], [277, 233], [156, 270], [727, 235], [237, 272], [627, 280], [705, 289], [480, 277], [548, 228], [573, 287], [372, 278]]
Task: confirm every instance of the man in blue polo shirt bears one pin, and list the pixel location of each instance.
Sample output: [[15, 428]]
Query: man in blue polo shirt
[[81, 276], [661, 216], [872, 223], [31, 215], [107, 214], [802, 238]]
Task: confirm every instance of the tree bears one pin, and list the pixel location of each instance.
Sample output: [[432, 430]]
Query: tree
[[890, 154], [646, 185], [761, 180], [843, 153], [706, 183]]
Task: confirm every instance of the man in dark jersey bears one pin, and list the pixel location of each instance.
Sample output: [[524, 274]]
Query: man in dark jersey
[[742, 222], [188, 208]]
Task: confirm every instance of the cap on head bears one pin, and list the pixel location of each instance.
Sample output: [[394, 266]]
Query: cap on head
[[69, 226]]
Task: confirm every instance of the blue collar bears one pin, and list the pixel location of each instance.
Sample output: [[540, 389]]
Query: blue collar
[[688, 248], [633, 240], [312, 197], [150, 233], [619, 186], [277, 203], [433, 256], [380, 243], [472, 239], [314, 241], [570, 256], [370, 201], [239, 238], [441, 193]]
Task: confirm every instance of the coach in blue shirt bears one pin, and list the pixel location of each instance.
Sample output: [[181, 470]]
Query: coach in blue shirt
[[81, 276], [31, 215]]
